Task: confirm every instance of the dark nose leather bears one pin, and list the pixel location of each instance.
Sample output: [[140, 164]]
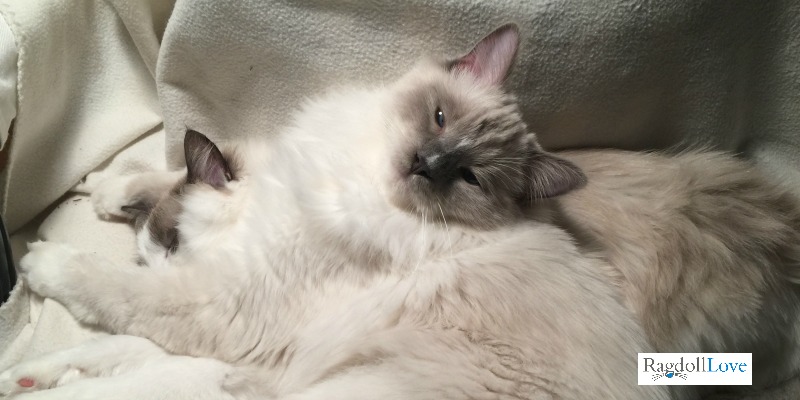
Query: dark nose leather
[[420, 167], [435, 166]]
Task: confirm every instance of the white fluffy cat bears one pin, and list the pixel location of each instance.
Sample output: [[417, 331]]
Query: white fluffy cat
[[392, 243]]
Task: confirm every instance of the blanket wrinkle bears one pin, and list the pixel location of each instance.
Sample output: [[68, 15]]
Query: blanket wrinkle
[[84, 92]]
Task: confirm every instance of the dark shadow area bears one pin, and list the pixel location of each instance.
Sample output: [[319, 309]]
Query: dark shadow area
[[8, 274]]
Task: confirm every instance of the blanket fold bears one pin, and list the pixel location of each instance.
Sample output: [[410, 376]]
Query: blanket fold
[[84, 92]]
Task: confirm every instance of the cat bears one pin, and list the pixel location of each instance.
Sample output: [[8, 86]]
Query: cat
[[704, 248], [392, 242]]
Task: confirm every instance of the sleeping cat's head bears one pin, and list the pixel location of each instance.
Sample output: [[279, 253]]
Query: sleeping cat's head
[[197, 210], [460, 148]]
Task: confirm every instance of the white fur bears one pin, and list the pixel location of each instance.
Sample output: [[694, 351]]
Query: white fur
[[110, 195], [304, 275], [116, 367]]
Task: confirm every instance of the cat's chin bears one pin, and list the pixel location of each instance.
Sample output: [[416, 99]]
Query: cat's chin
[[400, 197], [411, 194], [406, 195]]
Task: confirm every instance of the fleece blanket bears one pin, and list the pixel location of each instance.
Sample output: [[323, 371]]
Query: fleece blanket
[[110, 86]]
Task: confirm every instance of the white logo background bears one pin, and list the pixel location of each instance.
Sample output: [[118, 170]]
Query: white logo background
[[695, 368]]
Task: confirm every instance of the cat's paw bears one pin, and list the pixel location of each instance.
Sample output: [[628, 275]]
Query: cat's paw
[[38, 374], [12, 383], [102, 357], [89, 182], [59, 272], [111, 197], [45, 267]]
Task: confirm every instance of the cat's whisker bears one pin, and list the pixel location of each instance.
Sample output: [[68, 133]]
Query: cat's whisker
[[509, 159], [501, 172], [509, 164], [512, 167], [447, 229], [422, 242]]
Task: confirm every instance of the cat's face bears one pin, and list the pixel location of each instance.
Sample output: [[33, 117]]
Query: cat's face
[[461, 151], [197, 201]]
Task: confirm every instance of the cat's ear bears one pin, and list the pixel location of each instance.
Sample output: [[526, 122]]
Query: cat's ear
[[204, 161], [551, 176], [139, 213], [491, 60], [138, 209]]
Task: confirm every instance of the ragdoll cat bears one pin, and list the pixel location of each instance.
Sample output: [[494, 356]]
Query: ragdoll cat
[[391, 243], [705, 250]]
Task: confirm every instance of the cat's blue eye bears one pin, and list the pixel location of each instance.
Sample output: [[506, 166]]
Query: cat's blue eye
[[438, 116]]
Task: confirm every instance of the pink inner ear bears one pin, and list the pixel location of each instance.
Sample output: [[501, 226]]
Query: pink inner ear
[[468, 63], [491, 59]]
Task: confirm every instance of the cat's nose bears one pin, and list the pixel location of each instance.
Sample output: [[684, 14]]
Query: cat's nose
[[421, 167], [436, 167]]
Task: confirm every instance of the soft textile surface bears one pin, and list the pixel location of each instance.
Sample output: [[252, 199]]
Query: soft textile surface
[[8, 80], [96, 75], [85, 90]]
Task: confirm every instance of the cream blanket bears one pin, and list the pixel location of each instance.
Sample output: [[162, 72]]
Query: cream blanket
[[111, 85]]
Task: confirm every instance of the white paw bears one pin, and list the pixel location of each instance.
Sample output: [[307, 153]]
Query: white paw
[[111, 195], [25, 378], [61, 273], [38, 374], [88, 184], [46, 267], [12, 383]]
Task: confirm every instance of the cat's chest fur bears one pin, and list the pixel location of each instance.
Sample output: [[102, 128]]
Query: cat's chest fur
[[316, 239], [317, 311]]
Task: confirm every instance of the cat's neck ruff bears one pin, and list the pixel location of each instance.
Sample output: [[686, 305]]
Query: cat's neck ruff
[[324, 183], [328, 175]]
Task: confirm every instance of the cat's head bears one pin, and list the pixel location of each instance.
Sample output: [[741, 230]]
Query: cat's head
[[195, 210], [461, 150]]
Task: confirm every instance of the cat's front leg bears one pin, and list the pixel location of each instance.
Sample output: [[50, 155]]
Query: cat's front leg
[[124, 196], [115, 367], [57, 271], [175, 307], [93, 289], [106, 356]]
